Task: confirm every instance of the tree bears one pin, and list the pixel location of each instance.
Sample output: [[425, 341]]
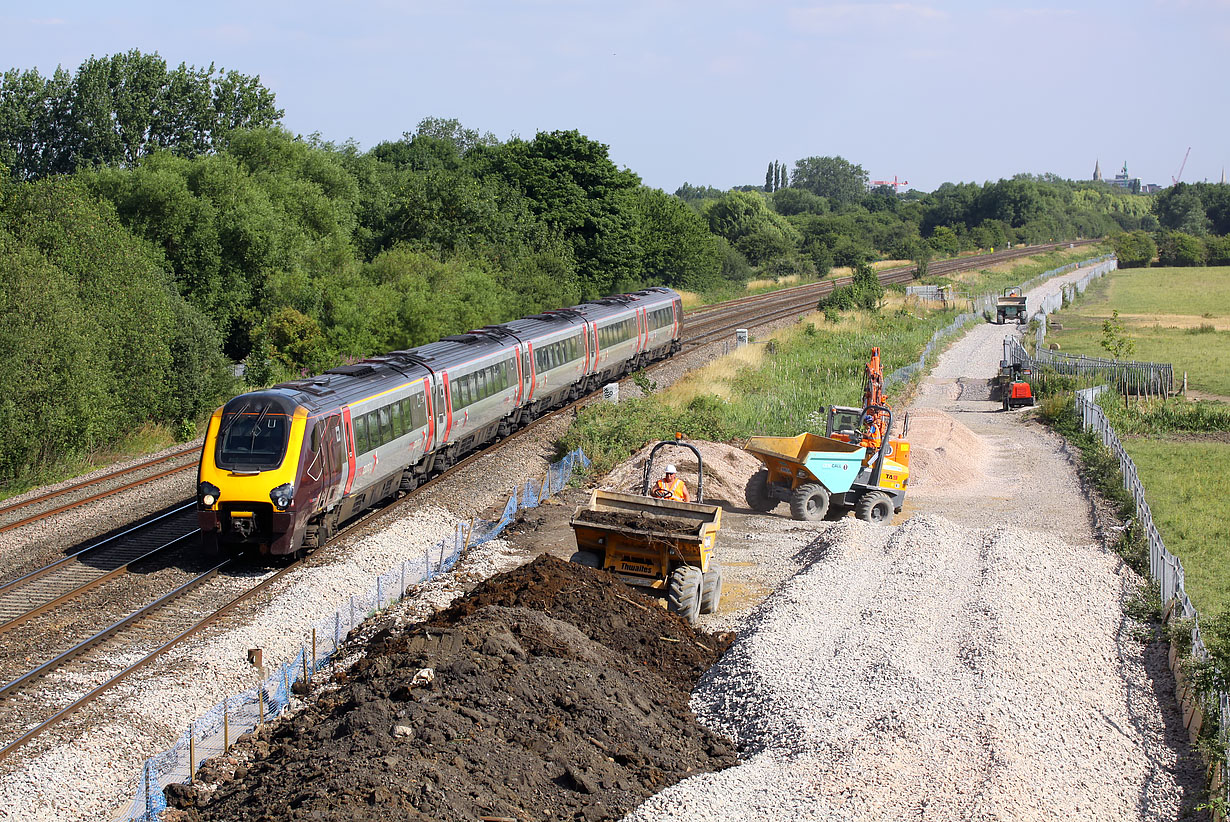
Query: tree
[[677, 248], [572, 185], [945, 241], [115, 110], [1135, 249], [791, 201], [840, 181], [1180, 208], [1114, 340], [770, 177], [1218, 249]]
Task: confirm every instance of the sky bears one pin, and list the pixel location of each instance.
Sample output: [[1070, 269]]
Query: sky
[[709, 92]]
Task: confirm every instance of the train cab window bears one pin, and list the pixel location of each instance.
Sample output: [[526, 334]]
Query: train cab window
[[361, 445], [253, 433]]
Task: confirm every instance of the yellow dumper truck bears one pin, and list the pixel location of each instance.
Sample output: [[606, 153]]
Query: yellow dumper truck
[[662, 546]]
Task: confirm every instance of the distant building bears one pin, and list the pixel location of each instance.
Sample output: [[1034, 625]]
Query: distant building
[[1124, 180], [1097, 171]]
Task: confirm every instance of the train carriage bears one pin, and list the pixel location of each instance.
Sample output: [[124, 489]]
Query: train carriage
[[281, 468]]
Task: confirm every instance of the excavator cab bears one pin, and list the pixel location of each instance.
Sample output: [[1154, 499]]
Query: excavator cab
[[844, 423]]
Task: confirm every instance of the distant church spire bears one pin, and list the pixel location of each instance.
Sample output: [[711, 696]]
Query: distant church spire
[[1097, 170]]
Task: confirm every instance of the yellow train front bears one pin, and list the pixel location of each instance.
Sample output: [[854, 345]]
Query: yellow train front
[[246, 483]]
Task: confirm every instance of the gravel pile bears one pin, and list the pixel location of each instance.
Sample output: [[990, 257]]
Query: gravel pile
[[914, 673]]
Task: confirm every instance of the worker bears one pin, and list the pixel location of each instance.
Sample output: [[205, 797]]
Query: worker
[[870, 434], [670, 487]]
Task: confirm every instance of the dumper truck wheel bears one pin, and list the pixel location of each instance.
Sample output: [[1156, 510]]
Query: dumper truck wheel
[[711, 588], [684, 591], [757, 492], [587, 558], [874, 507], [810, 502]]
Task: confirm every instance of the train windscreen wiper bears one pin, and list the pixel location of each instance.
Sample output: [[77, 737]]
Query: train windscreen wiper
[[226, 425]]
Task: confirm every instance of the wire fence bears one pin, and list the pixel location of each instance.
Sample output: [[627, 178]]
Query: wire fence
[[983, 305], [1140, 378], [1165, 568], [1128, 377], [213, 732]]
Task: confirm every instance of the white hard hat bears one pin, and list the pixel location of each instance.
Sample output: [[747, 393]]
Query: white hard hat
[[670, 469]]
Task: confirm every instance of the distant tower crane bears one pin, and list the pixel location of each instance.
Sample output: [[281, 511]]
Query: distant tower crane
[[893, 182], [1175, 179]]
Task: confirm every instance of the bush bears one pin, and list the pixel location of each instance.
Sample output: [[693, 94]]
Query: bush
[[864, 291], [1134, 249], [1177, 248]]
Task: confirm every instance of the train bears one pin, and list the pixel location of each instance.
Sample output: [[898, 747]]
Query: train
[[282, 468]]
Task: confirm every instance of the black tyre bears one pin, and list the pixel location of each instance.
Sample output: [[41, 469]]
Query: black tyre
[[809, 502], [711, 588], [757, 492], [836, 512], [875, 507], [683, 592], [587, 558]]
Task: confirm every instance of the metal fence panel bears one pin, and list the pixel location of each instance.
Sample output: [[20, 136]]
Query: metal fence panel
[[214, 731]]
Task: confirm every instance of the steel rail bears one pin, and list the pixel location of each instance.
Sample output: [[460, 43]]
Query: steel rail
[[110, 631], [68, 596], [5, 509], [89, 697]]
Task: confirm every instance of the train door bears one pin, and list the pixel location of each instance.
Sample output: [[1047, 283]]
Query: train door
[[347, 479], [528, 375], [333, 452], [443, 410]]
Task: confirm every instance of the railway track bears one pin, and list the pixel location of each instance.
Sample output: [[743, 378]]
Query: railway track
[[66, 579], [44, 506], [725, 317], [182, 613]]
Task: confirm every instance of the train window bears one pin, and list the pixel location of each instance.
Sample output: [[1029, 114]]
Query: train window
[[315, 438], [399, 427], [385, 425], [418, 411], [360, 434]]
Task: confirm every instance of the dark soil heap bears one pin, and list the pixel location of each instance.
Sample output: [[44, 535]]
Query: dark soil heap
[[558, 693]]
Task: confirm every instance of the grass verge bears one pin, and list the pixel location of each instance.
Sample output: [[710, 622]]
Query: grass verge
[[1175, 315]]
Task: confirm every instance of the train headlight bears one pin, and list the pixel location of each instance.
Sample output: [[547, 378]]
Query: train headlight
[[207, 494], [283, 495]]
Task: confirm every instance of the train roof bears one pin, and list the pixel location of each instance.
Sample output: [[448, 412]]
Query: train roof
[[351, 382]]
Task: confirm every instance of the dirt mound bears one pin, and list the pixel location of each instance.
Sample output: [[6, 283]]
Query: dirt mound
[[727, 470], [943, 452], [550, 692]]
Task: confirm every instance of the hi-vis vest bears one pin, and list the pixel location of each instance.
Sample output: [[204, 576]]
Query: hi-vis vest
[[669, 490]]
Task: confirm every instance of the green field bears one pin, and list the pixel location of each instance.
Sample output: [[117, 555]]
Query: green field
[[1188, 486], [1175, 315]]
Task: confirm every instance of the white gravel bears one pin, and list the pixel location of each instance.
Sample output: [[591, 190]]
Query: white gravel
[[973, 663]]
